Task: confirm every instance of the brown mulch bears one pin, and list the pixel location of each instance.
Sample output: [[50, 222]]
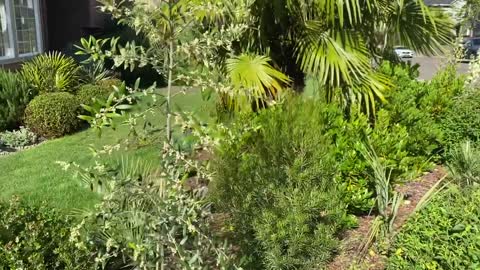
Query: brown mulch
[[353, 240]]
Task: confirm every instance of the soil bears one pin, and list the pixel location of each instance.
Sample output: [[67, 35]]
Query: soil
[[353, 240]]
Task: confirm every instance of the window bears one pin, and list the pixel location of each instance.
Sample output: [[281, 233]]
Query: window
[[19, 29], [25, 22], [6, 49]]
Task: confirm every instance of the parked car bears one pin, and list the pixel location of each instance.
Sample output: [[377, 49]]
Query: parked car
[[403, 52], [471, 47]]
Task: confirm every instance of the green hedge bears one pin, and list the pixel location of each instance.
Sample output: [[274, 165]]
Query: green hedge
[[53, 115], [86, 93], [463, 122]]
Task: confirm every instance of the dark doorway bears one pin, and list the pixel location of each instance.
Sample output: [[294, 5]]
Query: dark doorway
[[69, 20]]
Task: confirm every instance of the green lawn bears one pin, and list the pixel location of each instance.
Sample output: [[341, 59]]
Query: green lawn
[[34, 176]]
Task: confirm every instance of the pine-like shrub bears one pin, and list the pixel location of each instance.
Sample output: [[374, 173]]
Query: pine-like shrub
[[275, 177], [14, 97], [53, 115]]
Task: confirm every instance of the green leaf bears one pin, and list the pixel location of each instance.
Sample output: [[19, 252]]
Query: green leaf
[[113, 115], [124, 107], [86, 117], [254, 79]]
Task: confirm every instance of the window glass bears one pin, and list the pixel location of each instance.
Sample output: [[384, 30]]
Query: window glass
[[26, 26], [476, 42], [6, 49]]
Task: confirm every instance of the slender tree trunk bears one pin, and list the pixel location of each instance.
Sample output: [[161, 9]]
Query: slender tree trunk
[[169, 91], [171, 4]]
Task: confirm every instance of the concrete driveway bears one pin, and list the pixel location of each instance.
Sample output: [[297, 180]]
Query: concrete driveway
[[430, 65]]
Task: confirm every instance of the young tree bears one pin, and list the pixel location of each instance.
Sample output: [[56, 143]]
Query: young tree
[[191, 41]]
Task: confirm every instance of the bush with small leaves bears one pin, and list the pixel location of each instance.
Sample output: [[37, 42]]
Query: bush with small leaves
[[148, 220], [463, 122], [419, 107], [38, 238], [88, 92], [110, 82], [443, 235], [53, 115]]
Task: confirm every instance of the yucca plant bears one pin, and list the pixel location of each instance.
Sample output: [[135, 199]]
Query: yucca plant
[[51, 72], [387, 204], [94, 73], [464, 164]]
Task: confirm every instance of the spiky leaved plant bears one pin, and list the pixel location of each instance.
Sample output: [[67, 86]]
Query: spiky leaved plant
[[51, 72], [464, 164], [387, 204]]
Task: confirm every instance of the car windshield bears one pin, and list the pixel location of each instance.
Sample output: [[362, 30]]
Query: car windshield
[[476, 42], [401, 48]]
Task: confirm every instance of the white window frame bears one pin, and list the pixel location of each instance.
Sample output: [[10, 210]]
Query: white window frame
[[8, 8], [12, 33]]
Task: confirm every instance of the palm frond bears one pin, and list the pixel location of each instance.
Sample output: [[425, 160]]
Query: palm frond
[[339, 60], [411, 23], [254, 79]]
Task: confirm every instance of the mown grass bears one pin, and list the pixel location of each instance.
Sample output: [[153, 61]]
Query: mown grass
[[34, 176]]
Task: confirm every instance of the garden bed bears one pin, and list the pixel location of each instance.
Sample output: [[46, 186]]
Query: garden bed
[[5, 150], [353, 240]]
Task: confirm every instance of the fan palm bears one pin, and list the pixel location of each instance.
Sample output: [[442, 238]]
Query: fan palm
[[410, 23], [336, 40], [254, 80]]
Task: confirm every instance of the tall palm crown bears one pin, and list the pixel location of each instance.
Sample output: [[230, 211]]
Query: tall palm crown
[[336, 40]]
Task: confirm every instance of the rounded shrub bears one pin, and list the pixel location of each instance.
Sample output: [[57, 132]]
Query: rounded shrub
[[86, 93], [52, 72], [53, 115], [110, 82]]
